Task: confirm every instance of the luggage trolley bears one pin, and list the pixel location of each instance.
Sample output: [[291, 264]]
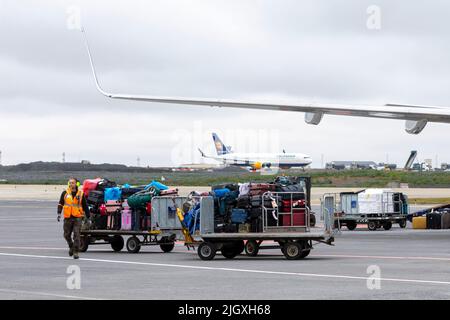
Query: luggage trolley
[[294, 239], [391, 208], [115, 238], [163, 230]]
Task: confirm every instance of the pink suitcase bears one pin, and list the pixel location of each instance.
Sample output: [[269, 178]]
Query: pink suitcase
[[113, 206], [126, 219]]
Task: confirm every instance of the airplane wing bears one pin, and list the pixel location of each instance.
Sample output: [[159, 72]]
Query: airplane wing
[[416, 117]]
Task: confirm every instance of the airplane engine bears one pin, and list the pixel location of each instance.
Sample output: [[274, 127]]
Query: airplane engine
[[257, 166]]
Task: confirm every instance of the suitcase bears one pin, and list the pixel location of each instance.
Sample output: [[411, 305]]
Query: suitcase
[[114, 221], [100, 222], [244, 228], [135, 220], [238, 215], [292, 192], [434, 221], [255, 212], [89, 185], [95, 197], [128, 192], [105, 183], [102, 210], [419, 222], [126, 219], [256, 225], [113, 206], [298, 219], [256, 201], [445, 221], [145, 223], [287, 205], [262, 186], [243, 202]]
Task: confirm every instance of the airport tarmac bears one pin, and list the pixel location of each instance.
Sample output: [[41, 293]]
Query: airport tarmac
[[33, 258]]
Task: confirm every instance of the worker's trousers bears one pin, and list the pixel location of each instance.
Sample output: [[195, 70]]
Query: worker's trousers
[[72, 225]]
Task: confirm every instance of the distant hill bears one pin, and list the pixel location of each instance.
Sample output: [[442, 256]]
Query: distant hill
[[41, 166]]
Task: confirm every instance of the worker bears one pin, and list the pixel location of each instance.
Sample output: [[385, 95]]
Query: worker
[[73, 204]]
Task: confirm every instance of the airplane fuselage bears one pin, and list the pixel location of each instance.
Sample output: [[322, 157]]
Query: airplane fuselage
[[278, 160]]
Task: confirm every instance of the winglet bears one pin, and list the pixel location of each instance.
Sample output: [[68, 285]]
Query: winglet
[[92, 65]]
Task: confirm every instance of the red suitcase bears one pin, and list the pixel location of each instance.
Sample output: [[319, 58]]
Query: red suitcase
[[286, 205], [298, 219]]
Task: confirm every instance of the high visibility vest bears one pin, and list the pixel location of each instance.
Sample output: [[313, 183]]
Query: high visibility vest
[[72, 206]]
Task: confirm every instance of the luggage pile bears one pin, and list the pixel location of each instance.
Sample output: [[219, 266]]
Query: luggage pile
[[436, 218], [123, 207], [239, 207]]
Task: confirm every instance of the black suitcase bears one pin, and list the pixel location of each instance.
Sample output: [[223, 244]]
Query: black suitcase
[[434, 221], [95, 197], [445, 221], [292, 192], [255, 213], [100, 222], [256, 225], [127, 192], [105, 183], [243, 202], [256, 201]]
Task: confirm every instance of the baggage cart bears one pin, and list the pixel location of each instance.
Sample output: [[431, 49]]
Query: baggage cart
[[136, 239], [295, 240], [379, 209], [163, 231]]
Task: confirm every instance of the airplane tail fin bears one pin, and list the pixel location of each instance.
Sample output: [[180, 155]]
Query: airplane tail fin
[[221, 148]]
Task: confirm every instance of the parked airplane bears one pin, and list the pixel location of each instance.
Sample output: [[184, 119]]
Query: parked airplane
[[256, 161], [417, 117]]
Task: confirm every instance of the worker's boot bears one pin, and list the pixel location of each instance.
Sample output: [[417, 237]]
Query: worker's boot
[[70, 250]]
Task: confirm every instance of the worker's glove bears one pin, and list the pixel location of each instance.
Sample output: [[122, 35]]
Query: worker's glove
[[59, 218]]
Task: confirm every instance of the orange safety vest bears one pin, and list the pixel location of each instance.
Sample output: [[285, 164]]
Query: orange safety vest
[[72, 206]]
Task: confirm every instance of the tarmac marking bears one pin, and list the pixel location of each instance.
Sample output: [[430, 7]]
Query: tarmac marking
[[382, 257], [26, 219], [46, 294], [312, 275], [179, 244]]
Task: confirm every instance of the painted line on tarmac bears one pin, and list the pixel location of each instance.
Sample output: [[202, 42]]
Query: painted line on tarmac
[[311, 275], [46, 294], [382, 257], [180, 244], [23, 219]]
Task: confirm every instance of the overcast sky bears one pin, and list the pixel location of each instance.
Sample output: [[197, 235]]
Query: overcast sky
[[308, 51]]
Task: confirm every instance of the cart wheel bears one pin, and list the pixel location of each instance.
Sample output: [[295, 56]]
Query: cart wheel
[[402, 224], [387, 225], [133, 245], [240, 246], [351, 225], [292, 250], [167, 247], [230, 250], [372, 225], [206, 251], [305, 253], [251, 248], [84, 243], [312, 220], [117, 243]]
